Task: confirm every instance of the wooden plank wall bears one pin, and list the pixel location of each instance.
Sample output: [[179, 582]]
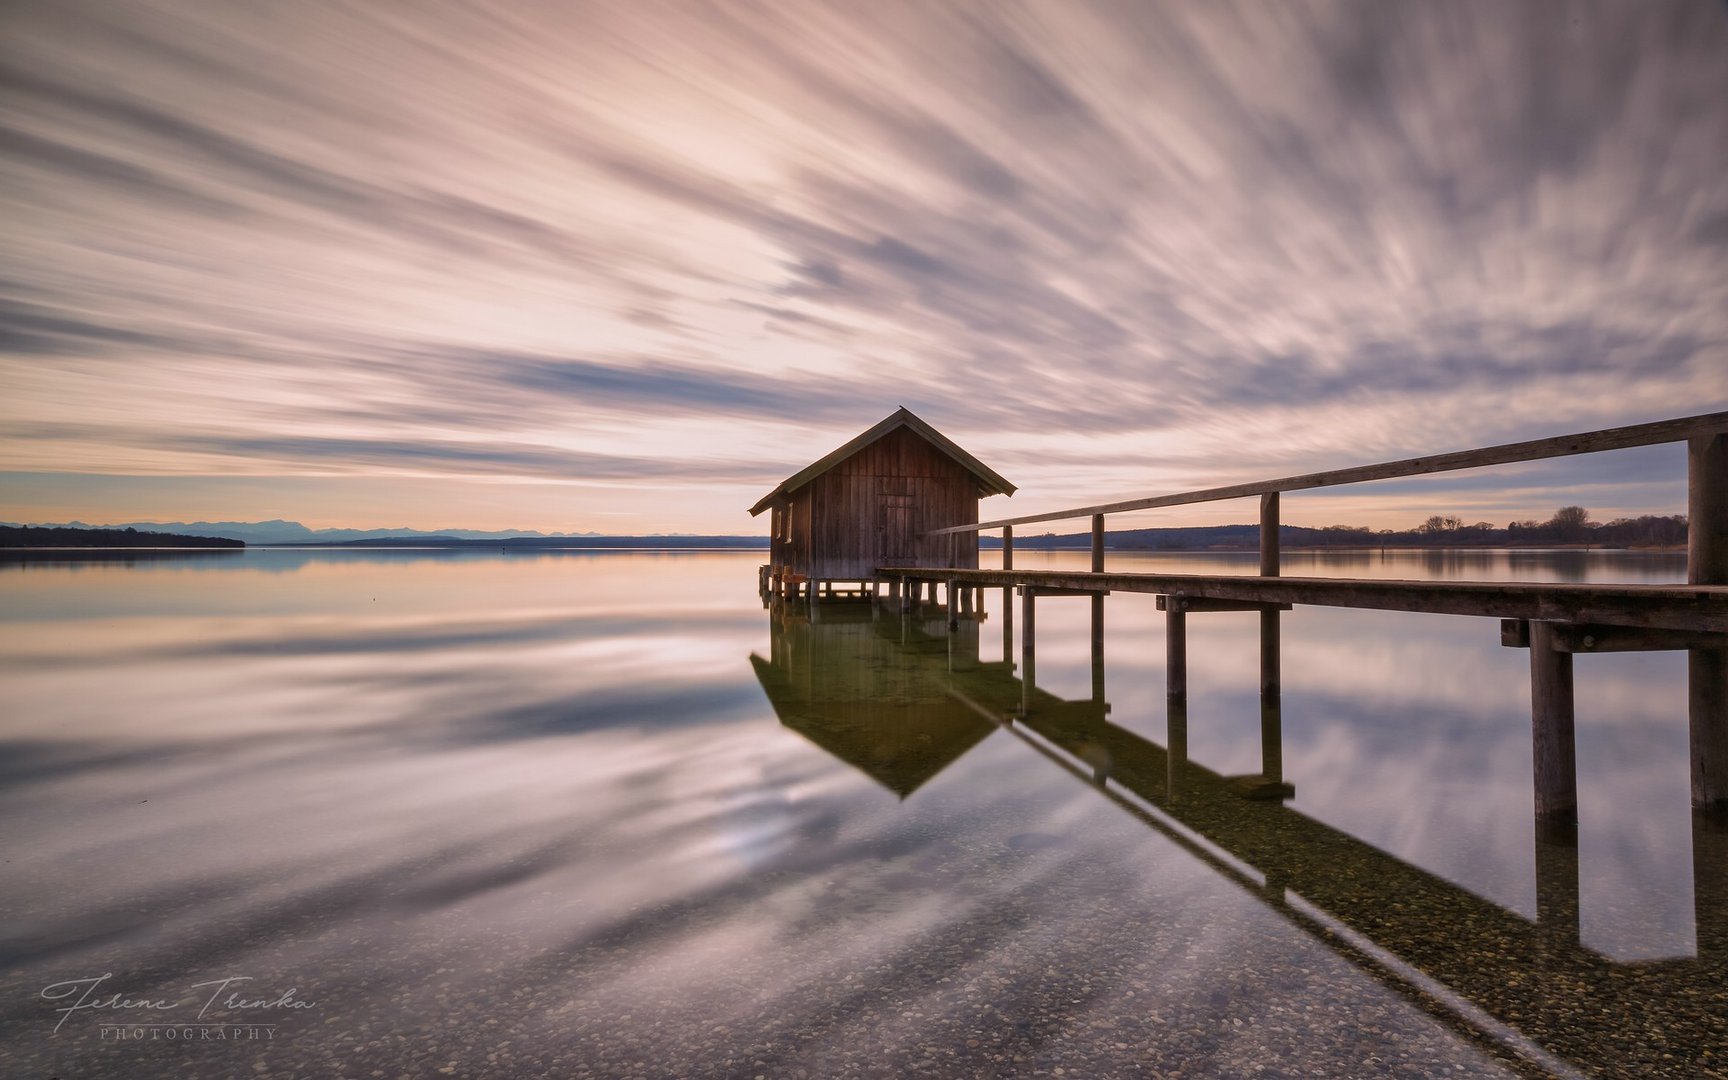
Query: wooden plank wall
[[844, 512]]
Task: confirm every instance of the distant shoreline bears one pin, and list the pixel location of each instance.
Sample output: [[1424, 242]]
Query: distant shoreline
[[762, 546]]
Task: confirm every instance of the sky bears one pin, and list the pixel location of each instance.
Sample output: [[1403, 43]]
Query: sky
[[623, 267]]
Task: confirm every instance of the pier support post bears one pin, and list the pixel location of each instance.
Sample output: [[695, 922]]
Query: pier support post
[[1176, 651], [1098, 647], [1553, 746], [1707, 669], [1028, 666], [1271, 651], [1008, 625], [1097, 543]]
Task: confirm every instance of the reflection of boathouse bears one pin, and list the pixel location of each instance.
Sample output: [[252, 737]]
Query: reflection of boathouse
[[901, 697], [872, 695], [872, 502]]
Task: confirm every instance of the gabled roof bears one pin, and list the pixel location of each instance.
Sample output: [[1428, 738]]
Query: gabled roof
[[988, 479]]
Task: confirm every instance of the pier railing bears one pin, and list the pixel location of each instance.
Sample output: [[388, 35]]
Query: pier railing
[[1553, 621], [1689, 429]]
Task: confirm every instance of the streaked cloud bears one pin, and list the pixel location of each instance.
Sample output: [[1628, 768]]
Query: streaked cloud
[[540, 265]]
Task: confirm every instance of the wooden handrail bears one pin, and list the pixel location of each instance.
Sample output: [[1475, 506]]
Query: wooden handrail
[[1589, 442]]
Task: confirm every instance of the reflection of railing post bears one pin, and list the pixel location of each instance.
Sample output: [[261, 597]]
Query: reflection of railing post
[[1707, 669], [1710, 885], [953, 604], [1557, 915], [1553, 744], [1271, 738], [1097, 647], [1175, 743], [1028, 667]]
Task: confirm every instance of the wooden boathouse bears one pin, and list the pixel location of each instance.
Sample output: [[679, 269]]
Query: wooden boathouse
[[876, 501]]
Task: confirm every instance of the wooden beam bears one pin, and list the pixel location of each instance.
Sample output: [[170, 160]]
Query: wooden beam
[[1007, 547], [1097, 543], [1681, 429], [1060, 591], [1597, 638], [1203, 603], [1678, 607]]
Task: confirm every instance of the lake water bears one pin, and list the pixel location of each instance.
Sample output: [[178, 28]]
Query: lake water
[[605, 815]]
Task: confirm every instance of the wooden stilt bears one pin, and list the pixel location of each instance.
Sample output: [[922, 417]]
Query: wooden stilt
[[1554, 752], [1098, 648], [1028, 666], [1707, 669], [1176, 650]]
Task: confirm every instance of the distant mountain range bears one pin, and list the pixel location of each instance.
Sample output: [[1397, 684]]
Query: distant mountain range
[[1645, 531], [292, 532]]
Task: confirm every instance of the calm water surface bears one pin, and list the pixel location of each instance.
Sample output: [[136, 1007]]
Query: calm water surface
[[605, 815]]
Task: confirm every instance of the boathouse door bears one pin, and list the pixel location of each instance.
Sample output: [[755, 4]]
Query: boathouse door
[[894, 533]]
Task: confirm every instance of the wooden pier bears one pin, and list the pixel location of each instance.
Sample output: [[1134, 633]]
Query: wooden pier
[[1556, 622]]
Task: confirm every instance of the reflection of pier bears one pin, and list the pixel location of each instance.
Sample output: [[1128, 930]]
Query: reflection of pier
[[892, 693]]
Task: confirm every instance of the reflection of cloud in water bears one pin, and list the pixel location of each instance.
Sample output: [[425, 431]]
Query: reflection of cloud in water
[[556, 819]]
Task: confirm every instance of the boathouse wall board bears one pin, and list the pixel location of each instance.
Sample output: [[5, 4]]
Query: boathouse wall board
[[888, 495]]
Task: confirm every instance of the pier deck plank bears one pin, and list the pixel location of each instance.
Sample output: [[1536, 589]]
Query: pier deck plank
[[1673, 607]]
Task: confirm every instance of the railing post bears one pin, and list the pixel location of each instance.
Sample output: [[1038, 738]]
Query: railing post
[[1553, 742], [1707, 669], [1007, 547], [1269, 534], [1097, 543], [1271, 645]]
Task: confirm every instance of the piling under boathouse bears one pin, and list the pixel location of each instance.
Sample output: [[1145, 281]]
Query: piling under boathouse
[[876, 501]]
